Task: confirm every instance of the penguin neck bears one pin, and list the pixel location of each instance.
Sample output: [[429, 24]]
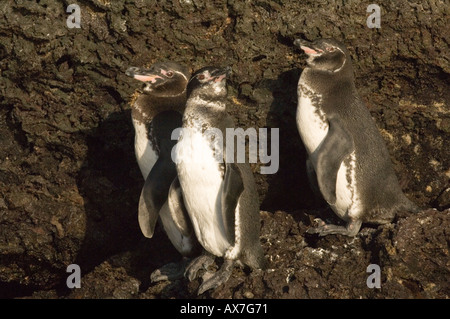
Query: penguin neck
[[147, 106], [204, 110], [324, 81]]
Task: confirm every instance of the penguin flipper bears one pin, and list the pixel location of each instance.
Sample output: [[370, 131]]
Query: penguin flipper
[[154, 194], [177, 210], [233, 186], [328, 157]]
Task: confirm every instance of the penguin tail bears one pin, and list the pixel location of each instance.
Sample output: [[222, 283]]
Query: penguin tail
[[410, 206]]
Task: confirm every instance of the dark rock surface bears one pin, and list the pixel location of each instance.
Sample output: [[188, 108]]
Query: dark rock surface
[[69, 183]]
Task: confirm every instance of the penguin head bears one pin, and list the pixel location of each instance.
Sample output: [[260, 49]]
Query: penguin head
[[324, 54], [162, 78], [209, 83]]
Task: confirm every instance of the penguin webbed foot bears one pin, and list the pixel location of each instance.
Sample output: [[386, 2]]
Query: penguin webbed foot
[[170, 272], [214, 280], [351, 229], [201, 262]]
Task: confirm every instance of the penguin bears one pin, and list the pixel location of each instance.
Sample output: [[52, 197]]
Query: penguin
[[156, 111], [220, 196], [350, 160]]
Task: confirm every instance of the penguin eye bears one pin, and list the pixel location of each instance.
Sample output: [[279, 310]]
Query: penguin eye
[[201, 77], [331, 49], [169, 74]]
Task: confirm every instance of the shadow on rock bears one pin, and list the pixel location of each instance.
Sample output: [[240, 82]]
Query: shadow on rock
[[110, 184], [289, 188]]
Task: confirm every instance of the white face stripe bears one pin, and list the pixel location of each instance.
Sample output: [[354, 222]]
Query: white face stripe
[[207, 78], [207, 75], [164, 72], [149, 88], [345, 61], [312, 56], [182, 74]]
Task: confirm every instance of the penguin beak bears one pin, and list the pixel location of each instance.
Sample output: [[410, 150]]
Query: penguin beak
[[144, 75], [222, 74], [307, 47]]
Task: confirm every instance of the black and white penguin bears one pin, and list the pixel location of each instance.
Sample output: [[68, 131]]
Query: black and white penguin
[[346, 151], [221, 197], [156, 111]]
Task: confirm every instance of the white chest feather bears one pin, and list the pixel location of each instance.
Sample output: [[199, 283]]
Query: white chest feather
[[202, 183], [348, 203], [311, 121], [145, 155]]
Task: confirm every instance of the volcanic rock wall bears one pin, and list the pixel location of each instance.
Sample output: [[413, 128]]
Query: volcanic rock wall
[[69, 183]]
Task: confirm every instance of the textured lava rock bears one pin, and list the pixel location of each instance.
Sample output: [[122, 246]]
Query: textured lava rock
[[69, 183]]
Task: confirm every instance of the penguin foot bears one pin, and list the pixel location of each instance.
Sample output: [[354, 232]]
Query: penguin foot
[[323, 229], [170, 271], [212, 281], [201, 262]]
